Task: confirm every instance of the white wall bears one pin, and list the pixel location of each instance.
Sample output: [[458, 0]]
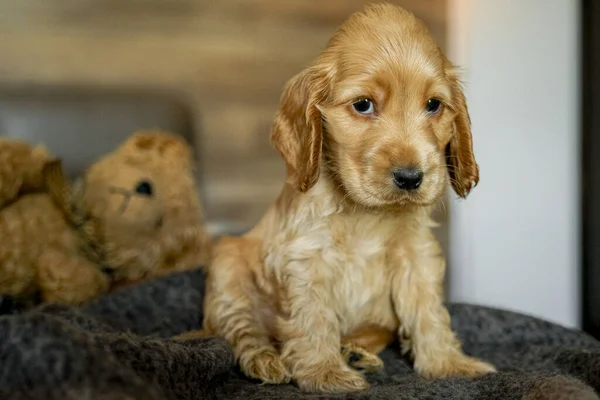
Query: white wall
[[514, 241]]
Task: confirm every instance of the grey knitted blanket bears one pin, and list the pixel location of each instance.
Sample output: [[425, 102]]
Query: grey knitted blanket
[[117, 347]]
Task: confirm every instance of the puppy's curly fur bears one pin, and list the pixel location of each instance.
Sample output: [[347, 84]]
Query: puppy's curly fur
[[345, 258], [134, 214]]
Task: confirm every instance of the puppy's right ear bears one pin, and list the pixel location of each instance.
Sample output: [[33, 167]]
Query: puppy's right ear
[[297, 131]]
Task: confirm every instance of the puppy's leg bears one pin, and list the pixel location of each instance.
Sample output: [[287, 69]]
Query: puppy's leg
[[361, 346], [418, 300], [309, 331], [232, 311], [360, 358]]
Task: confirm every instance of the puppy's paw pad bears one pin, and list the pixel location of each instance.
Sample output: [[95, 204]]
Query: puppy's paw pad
[[360, 359], [265, 365], [455, 365], [330, 380]]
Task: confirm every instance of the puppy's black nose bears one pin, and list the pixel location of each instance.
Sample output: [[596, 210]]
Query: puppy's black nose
[[408, 178], [144, 188]]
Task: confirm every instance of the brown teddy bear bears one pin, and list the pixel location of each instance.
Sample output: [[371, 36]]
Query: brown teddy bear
[[134, 214]]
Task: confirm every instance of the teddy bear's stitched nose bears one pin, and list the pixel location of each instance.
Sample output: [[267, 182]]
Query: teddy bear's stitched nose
[[144, 188]]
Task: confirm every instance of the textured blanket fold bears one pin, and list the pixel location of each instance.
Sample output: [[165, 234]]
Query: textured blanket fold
[[118, 347]]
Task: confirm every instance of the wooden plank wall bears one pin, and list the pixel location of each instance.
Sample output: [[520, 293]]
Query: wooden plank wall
[[228, 59]]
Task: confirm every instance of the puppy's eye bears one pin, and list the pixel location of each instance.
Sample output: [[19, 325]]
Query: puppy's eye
[[364, 106], [433, 106]]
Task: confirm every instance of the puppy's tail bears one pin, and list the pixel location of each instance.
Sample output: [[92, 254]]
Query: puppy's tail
[[21, 169]]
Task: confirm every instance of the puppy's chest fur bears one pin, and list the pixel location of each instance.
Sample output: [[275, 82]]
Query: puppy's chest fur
[[350, 255], [358, 255]]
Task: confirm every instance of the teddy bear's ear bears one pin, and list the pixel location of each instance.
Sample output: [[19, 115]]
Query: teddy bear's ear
[[58, 186]]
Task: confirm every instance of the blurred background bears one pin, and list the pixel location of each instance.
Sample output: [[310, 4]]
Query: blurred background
[[80, 75]]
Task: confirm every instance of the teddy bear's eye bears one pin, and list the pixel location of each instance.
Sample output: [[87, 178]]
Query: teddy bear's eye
[[144, 188]]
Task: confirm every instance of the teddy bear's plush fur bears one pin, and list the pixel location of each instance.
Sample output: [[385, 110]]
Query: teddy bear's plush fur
[[133, 214]]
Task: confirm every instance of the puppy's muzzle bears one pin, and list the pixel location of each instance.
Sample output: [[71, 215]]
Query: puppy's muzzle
[[408, 178]]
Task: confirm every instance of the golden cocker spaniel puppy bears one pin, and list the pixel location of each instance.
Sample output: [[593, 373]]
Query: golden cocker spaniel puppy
[[345, 261]]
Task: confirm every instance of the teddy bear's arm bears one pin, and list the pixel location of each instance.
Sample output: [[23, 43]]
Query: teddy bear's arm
[[64, 277], [21, 168], [194, 254], [197, 257], [198, 254]]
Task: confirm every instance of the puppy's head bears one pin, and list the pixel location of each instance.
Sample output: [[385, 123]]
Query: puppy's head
[[381, 112]]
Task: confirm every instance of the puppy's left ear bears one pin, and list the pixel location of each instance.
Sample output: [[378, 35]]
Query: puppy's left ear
[[462, 167], [297, 131]]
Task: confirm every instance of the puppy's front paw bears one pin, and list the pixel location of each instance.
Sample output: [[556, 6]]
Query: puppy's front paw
[[453, 364], [265, 365], [329, 379], [360, 359]]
